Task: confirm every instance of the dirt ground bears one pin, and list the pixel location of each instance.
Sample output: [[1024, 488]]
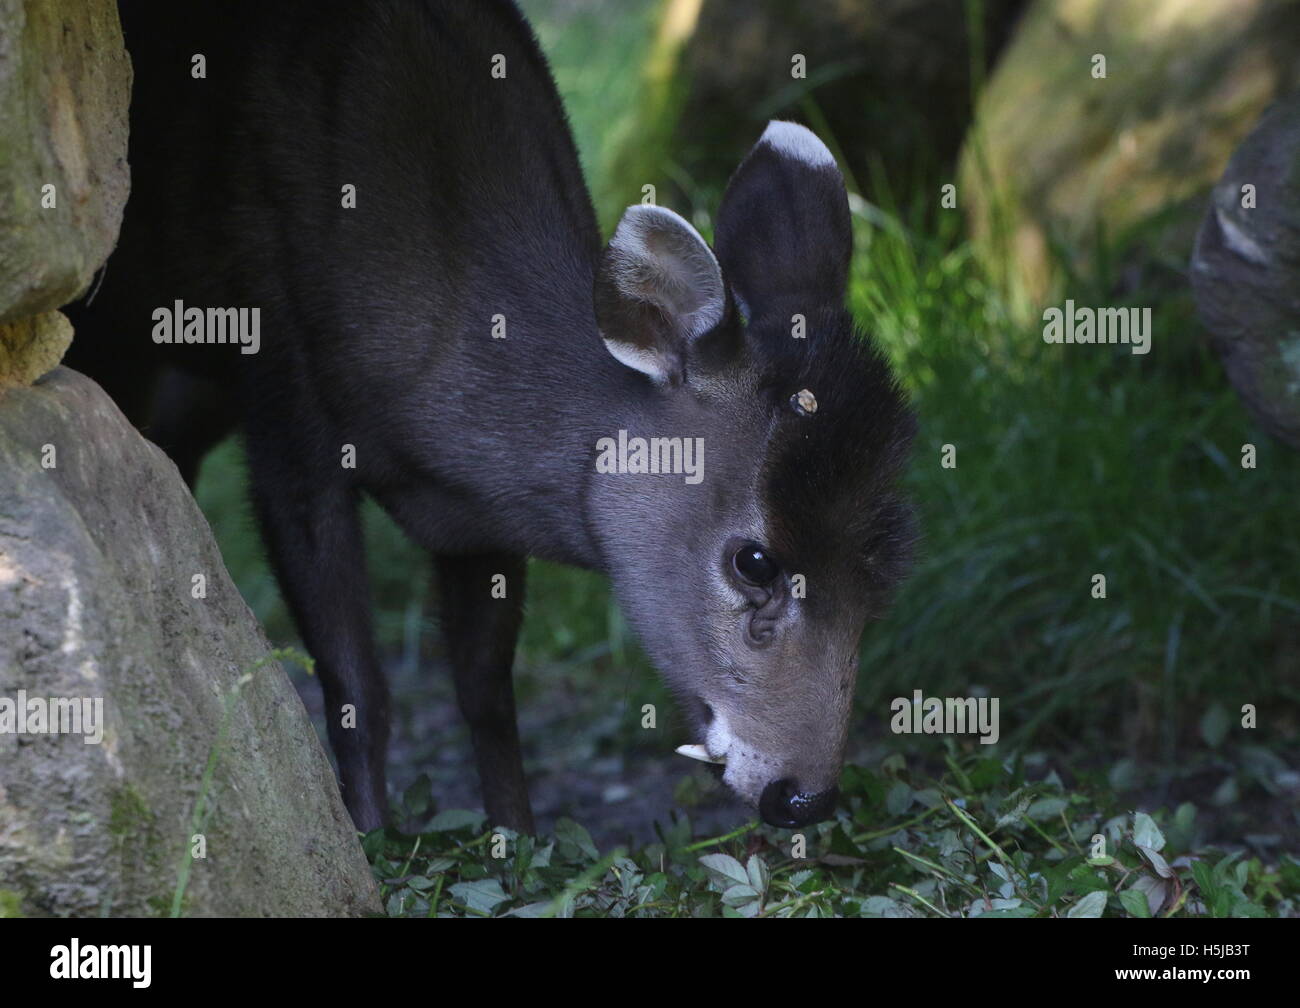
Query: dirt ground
[[584, 762], [579, 761]]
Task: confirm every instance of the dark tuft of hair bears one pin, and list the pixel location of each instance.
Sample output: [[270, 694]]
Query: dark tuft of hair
[[831, 477]]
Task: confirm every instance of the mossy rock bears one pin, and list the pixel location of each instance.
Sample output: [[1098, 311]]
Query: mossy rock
[[1061, 158], [65, 82], [100, 542]]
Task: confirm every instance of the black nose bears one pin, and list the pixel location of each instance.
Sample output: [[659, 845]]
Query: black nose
[[783, 804]]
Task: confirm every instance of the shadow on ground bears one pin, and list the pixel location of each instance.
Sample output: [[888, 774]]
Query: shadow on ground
[[581, 762]]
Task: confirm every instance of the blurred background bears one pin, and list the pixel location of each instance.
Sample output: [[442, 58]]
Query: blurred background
[[1071, 461]]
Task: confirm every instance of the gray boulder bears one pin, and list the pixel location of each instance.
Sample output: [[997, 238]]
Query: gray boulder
[[64, 85], [1245, 271], [101, 549], [1059, 158]]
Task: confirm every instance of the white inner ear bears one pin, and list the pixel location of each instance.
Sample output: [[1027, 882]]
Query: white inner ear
[[659, 258], [798, 143], [638, 358]]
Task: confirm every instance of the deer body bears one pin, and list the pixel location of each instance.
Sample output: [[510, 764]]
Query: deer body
[[458, 345]]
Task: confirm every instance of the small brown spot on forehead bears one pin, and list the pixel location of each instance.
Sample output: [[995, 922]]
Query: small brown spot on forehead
[[804, 402]]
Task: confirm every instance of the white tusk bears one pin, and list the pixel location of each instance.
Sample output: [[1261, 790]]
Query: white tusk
[[700, 753]]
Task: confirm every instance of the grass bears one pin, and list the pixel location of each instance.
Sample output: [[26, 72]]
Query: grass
[[1074, 461], [980, 841]]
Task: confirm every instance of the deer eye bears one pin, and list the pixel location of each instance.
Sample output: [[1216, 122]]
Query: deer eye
[[754, 565]]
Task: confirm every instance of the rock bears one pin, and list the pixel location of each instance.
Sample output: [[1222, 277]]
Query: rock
[[32, 347], [1058, 155], [1245, 271], [886, 83], [98, 557], [65, 81]]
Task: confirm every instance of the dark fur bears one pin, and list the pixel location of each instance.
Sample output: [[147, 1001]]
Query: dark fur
[[784, 240]]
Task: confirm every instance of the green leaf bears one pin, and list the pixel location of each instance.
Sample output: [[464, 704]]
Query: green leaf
[[986, 773], [1019, 911], [1214, 726], [418, 798], [724, 870], [372, 844], [738, 895], [899, 799], [1156, 890], [1089, 906], [483, 895], [1181, 834], [882, 906], [1157, 862], [1015, 814], [1289, 869], [540, 909], [1135, 902], [1059, 880], [541, 856], [575, 838], [1227, 793], [1123, 775], [455, 819], [1146, 833], [757, 872], [1204, 876], [1046, 808]]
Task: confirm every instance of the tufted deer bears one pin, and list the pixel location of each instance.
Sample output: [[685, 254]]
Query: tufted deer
[[704, 425]]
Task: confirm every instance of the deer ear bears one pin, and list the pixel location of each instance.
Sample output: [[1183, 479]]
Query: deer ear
[[658, 291], [783, 227]]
